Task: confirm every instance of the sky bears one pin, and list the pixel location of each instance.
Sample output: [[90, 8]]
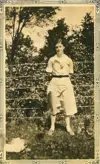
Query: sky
[[73, 16]]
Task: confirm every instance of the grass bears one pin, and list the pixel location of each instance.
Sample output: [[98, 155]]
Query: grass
[[58, 146]]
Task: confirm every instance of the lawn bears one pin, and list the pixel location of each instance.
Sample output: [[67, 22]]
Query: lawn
[[58, 146]]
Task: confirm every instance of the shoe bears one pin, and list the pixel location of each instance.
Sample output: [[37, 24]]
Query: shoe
[[50, 132]]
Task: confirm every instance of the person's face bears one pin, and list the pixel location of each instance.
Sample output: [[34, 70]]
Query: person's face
[[59, 48]]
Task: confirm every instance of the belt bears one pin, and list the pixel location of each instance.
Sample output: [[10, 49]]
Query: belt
[[60, 76]]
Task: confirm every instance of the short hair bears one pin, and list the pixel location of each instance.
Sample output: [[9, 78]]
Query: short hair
[[59, 43]]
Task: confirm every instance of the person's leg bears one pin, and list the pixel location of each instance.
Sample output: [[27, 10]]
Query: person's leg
[[53, 120], [68, 125], [67, 109], [52, 99]]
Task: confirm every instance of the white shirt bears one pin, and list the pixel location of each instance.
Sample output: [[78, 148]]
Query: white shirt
[[60, 65]]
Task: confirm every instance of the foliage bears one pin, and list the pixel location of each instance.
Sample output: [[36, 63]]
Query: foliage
[[17, 18], [79, 45], [81, 42], [87, 33]]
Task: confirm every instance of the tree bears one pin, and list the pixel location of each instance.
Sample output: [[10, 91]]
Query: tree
[[17, 18], [58, 32], [87, 33], [81, 41]]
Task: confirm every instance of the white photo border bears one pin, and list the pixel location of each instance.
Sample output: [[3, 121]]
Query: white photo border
[[96, 4]]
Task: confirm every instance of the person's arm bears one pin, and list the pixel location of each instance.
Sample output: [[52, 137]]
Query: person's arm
[[71, 67], [49, 69], [71, 70]]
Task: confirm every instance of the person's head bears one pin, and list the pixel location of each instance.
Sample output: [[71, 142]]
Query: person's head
[[59, 48]]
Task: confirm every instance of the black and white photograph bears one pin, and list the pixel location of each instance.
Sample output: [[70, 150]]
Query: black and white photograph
[[49, 82]]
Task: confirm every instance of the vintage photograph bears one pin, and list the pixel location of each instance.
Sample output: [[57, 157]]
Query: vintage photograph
[[49, 69]]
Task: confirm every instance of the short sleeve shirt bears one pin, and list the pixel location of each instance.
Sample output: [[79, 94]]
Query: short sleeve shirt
[[60, 65]]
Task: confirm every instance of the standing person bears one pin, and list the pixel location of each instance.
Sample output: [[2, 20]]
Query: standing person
[[60, 90]]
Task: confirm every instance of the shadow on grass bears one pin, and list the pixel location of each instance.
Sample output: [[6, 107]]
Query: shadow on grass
[[60, 127]]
